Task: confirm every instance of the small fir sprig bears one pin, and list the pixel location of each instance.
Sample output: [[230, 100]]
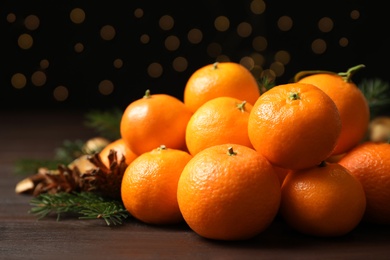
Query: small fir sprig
[[377, 93], [64, 154], [106, 123], [265, 83], [86, 205]]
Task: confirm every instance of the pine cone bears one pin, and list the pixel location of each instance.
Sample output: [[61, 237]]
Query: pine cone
[[103, 180], [86, 173], [51, 181]]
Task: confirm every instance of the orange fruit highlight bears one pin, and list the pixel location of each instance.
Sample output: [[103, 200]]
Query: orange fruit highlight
[[324, 201], [369, 162], [228, 192], [121, 149], [350, 101], [155, 120], [149, 186], [218, 121], [220, 79], [294, 126]]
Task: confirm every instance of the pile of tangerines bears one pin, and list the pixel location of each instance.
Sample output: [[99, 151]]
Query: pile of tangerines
[[229, 158]]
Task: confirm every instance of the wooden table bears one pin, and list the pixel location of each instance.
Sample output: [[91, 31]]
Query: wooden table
[[35, 134]]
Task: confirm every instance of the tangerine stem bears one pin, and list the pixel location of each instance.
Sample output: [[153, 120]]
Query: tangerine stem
[[231, 152], [347, 76], [215, 65], [294, 96], [162, 147], [147, 93], [306, 73], [241, 106]]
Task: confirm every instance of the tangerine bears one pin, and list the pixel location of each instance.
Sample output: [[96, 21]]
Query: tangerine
[[294, 125], [154, 120], [350, 101], [228, 192], [149, 185], [218, 121], [122, 152], [325, 200], [220, 79], [369, 162]]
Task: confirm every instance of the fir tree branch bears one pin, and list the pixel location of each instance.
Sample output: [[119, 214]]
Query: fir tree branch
[[87, 205], [69, 150], [65, 154], [377, 93], [106, 123]]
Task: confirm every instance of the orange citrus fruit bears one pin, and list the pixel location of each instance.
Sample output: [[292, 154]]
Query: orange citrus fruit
[[220, 79], [120, 148], [281, 173], [149, 186], [370, 163], [350, 101], [325, 200], [228, 192], [294, 125], [218, 121], [154, 120]]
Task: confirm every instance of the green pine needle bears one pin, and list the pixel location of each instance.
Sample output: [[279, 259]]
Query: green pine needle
[[69, 151], [377, 93], [265, 83], [65, 154], [86, 205], [106, 123]]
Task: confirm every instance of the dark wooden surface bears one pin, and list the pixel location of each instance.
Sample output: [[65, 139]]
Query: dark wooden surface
[[36, 135]]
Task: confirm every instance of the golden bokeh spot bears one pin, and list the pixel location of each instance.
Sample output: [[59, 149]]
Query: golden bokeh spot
[[285, 23], [31, 22], [283, 56], [78, 47], [107, 32], [269, 74], [166, 22], [11, 18], [355, 14], [259, 43], [18, 80], [343, 42], [278, 68], [118, 63], [325, 24], [318, 46], [155, 70], [61, 93], [214, 49], [144, 38], [180, 64], [77, 15], [44, 64], [172, 43], [106, 87], [25, 41], [258, 58], [247, 62], [244, 29], [221, 23], [257, 6], [256, 71], [38, 78], [222, 58], [195, 36], [138, 13]]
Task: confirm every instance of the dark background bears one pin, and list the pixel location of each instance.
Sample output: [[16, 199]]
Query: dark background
[[81, 73]]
